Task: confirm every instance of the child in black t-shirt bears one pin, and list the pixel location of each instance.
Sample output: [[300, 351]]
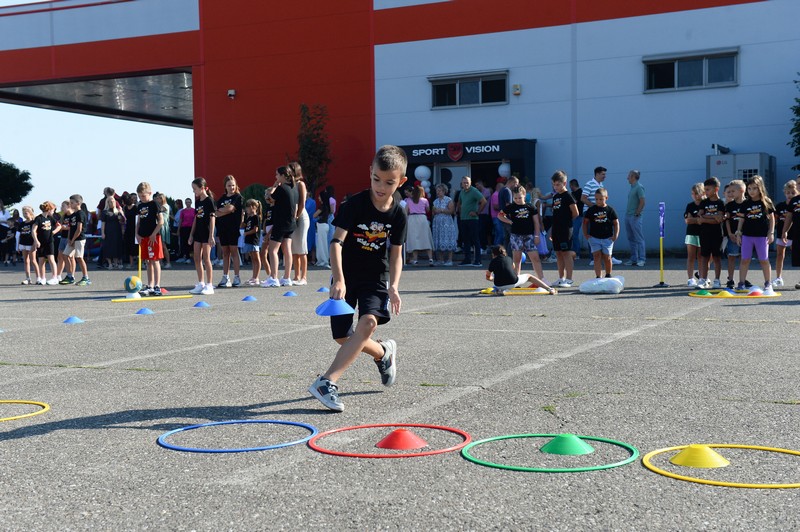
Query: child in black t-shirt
[[564, 211], [202, 236], [252, 236], [28, 243], [601, 229], [712, 215], [76, 241], [734, 199], [691, 215], [756, 231], [501, 271], [45, 226], [149, 221], [781, 210], [366, 272], [526, 229]]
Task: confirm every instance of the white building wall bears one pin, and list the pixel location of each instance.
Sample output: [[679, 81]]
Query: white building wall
[[583, 98]]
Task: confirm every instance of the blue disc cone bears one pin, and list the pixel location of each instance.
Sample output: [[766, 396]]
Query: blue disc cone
[[73, 319], [249, 298], [289, 294], [334, 307], [144, 311], [324, 289], [201, 304]]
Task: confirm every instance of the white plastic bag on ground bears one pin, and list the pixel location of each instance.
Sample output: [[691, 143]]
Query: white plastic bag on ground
[[604, 285]]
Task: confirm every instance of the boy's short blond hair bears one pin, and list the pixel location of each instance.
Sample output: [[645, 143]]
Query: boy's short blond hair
[[144, 186], [791, 184], [737, 183], [602, 191]]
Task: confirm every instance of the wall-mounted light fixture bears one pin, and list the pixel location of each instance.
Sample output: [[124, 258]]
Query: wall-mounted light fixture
[[232, 94], [516, 89]]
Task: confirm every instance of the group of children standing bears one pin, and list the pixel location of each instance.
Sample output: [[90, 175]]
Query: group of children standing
[[748, 219]]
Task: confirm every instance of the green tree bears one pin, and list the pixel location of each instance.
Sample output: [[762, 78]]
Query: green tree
[[795, 143], [314, 145], [15, 184], [256, 192]]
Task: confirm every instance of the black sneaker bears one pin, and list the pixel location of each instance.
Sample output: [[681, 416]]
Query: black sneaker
[[327, 393], [67, 280], [387, 366], [747, 284], [156, 291], [730, 284]]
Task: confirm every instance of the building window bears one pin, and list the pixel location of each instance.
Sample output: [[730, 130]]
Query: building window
[[716, 68], [469, 90]]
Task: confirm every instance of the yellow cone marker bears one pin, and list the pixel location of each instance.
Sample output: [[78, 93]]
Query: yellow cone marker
[[701, 456]]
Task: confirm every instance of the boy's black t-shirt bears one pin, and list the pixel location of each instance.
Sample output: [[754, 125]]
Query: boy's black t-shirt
[[562, 214], [231, 220], [794, 208], [77, 217], [732, 210], [25, 229], [712, 207], [756, 218], [503, 269], [286, 198], [148, 217], [267, 216], [365, 254], [601, 221], [521, 217], [780, 213], [692, 210], [250, 223], [44, 228]]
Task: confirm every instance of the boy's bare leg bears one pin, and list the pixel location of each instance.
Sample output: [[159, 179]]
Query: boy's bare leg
[[352, 347], [598, 266], [607, 263]]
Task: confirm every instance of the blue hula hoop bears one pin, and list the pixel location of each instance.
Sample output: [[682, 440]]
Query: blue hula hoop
[[162, 440]]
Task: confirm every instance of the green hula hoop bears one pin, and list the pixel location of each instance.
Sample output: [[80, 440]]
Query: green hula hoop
[[630, 448], [45, 408]]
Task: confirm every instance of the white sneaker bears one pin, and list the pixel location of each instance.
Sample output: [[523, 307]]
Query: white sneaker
[[270, 283], [225, 282], [236, 281], [286, 282], [777, 283], [558, 282], [629, 263], [615, 261], [691, 283], [26, 281], [207, 290], [768, 291], [448, 263], [591, 262], [53, 281], [301, 282], [198, 289], [567, 283], [716, 284], [640, 263]]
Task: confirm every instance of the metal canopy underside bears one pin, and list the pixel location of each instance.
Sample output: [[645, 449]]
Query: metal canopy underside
[[158, 98]]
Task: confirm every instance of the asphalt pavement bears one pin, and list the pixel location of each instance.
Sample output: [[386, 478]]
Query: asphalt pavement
[[650, 367]]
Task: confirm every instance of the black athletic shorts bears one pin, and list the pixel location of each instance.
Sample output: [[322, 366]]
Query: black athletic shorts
[[279, 235], [562, 239], [710, 246], [371, 297], [228, 236], [45, 248]]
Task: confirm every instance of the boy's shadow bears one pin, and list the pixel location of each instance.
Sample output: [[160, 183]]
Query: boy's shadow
[[125, 419]]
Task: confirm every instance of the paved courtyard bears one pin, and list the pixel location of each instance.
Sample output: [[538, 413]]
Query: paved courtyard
[[650, 367]]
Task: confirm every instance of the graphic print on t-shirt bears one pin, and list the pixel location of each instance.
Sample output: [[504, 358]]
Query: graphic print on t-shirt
[[373, 237]]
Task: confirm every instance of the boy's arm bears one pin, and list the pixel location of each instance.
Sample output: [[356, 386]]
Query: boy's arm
[[615, 234], [501, 215], [338, 289], [395, 269], [586, 229], [78, 230], [159, 223], [573, 210], [787, 223]]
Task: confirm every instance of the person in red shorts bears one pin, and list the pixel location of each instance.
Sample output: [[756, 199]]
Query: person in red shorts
[[148, 228]]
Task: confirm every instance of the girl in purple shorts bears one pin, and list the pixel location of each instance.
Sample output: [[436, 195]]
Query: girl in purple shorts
[[756, 231]]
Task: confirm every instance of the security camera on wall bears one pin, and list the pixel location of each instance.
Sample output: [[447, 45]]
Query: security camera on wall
[[231, 93]]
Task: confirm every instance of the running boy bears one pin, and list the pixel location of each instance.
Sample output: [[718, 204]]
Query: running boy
[[76, 240], [148, 228], [360, 261], [564, 211], [734, 199], [712, 214], [601, 229]]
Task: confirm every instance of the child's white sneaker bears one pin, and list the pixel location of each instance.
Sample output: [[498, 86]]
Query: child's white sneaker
[[286, 282], [777, 283], [207, 290], [198, 289], [53, 281], [716, 284], [270, 283], [768, 291], [691, 283]]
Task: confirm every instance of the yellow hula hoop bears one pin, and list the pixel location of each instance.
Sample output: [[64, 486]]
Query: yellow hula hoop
[[45, 408], [651, 467]]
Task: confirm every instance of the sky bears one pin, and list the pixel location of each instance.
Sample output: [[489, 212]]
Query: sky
[[69, 153]]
